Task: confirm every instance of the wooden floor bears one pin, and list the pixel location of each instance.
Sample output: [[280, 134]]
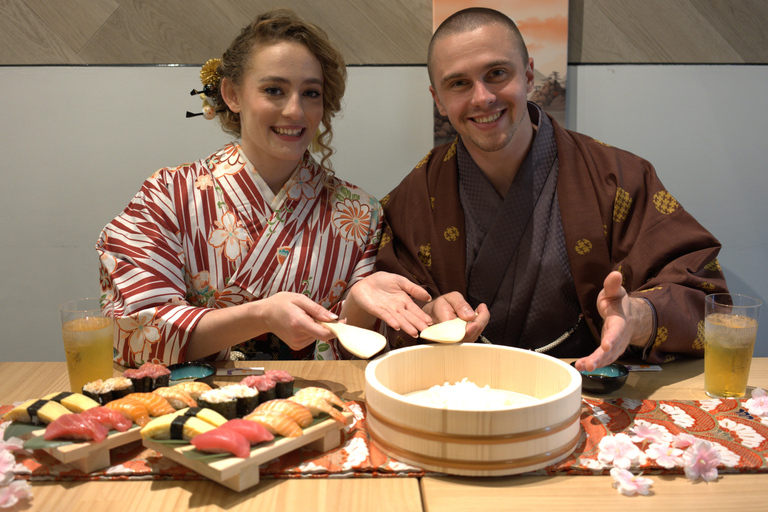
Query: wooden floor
[[115, 32]]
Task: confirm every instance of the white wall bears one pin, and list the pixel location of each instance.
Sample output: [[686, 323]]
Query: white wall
[[76, 143]]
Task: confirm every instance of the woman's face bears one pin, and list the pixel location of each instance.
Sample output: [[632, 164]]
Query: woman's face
[[280, 102]]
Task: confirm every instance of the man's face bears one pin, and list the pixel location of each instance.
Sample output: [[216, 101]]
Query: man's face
[[482, 85]]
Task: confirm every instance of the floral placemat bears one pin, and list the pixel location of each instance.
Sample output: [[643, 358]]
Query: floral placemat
[[648, 436]]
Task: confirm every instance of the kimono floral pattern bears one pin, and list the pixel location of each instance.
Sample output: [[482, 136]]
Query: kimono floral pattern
[[229, 237], [200, 236]]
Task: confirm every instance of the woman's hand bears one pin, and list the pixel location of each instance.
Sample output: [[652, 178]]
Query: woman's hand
[[293, 318]]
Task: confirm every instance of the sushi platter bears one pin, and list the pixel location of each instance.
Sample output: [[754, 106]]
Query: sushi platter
[[239, 474], [89, 456]]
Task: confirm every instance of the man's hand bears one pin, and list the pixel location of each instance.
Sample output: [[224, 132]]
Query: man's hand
[[452, 305], [625, 320], [389, 297]]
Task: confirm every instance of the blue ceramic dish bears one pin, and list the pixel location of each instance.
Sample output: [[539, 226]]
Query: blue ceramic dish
[[185, 372], [604, 380]]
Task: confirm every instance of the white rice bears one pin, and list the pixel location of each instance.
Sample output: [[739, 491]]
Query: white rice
[[467, 395]]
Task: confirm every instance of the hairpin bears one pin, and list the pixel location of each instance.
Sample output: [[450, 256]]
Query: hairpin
[[209, 76]]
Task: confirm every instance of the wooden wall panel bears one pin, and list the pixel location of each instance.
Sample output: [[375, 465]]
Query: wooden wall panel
[[370, 32]]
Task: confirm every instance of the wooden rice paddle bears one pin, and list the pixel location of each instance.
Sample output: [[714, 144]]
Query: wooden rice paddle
[[452, 331], [360, 342]]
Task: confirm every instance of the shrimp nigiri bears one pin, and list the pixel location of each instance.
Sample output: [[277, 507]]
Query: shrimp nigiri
[[178, 398], [295, 410], [323, 393], [276, 423], [194, 388]]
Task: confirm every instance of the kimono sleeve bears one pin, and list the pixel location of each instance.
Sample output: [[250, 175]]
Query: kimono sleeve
[[666, 257], [141, 264]]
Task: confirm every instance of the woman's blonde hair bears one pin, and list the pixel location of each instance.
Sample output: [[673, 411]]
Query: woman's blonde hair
[[284, 25]]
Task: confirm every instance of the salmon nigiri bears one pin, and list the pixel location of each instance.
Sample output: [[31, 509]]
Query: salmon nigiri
[[276, 422], [194, 388], [155, 404], [131, 409]]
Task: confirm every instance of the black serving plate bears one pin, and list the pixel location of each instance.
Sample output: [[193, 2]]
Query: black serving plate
[[603, 380], [185, 372]]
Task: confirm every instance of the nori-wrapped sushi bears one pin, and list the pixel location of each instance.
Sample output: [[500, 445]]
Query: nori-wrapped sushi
[[247, 398], [111, 389], [264, 384], [148, 377], [220, 401], [283, 382]]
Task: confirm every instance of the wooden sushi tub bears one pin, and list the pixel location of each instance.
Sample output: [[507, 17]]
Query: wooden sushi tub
[[510, 440]]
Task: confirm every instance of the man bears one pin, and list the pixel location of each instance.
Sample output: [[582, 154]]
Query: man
[[575, 247]]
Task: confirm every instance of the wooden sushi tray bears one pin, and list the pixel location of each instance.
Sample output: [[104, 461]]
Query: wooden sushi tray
[[88, 456], [240, 474]]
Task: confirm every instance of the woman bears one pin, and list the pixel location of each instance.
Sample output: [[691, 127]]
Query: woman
[[242, 253]]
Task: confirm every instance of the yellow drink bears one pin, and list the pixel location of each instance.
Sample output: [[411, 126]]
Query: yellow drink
[[88, 347], [729, 342]]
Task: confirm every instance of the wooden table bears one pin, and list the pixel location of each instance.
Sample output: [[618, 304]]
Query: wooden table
[[681, 380]]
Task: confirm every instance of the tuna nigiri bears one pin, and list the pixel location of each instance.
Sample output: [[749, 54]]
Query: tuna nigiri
[[111, 419], [295, 410], [254, 432], [221, 440], [155, 404], [276, 423], [75, 426], [131, 409]]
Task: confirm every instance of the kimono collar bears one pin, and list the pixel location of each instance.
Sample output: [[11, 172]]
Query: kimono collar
[[307, 171]]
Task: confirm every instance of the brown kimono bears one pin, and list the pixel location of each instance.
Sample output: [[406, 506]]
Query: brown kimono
[[616, 215]]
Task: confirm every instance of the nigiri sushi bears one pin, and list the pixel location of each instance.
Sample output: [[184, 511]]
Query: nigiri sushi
[[36, 412], [148, 377], [74, 402], [155, 404], [194, 388], [175, 426], [254, 432], [111, 419], [205, 414], [131, 409], [178, 398], [276, 422], [295, 410], [221, 440], [75, 426]]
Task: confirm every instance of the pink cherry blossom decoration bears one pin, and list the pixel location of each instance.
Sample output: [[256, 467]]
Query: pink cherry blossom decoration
[[618, 450], [665, 455], [628, 484], [15, 491], [701, 460], [645, 432], [758, 404], [683, 440]]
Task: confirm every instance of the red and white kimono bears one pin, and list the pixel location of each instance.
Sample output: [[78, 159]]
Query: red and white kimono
[[208, 235]]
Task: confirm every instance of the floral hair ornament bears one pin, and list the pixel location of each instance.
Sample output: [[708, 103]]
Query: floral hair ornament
[[209, 76]]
